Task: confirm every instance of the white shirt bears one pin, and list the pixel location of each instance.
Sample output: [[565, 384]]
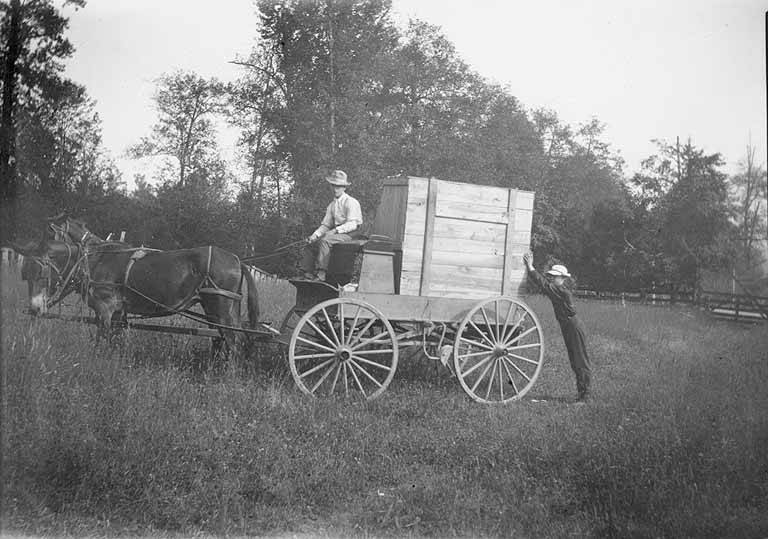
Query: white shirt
[[343, 214]]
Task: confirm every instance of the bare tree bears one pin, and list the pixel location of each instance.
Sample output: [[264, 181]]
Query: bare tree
[[750, 197]]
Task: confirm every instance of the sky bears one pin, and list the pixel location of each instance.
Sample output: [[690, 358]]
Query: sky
[[646, 69]]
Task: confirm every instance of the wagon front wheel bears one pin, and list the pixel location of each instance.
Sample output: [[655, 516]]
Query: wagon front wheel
[[499, 351], [343, 346]]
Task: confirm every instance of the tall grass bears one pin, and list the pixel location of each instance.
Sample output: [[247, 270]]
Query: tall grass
[[132, 440]]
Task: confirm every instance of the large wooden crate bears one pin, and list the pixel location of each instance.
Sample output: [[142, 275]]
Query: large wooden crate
[[458, 240]]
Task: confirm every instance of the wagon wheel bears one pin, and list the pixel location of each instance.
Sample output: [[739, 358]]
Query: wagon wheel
[[356, 357], [498, 351]]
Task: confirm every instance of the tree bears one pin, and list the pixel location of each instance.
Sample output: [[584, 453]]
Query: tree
[[186, 105], [750, 193], [682, 214], [33, 47]]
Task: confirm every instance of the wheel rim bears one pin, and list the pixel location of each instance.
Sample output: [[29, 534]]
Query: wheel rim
[[498, 351], [356, 358]]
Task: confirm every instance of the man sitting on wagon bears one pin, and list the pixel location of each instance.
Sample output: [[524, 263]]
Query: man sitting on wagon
[[341, 223]]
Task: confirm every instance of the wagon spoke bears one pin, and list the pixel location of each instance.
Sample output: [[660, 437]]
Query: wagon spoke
[[369, 362], [482, 376], [506, 320], [335, 378], [315, 356], [346, 380], [375, 338], [476, 365], [522, 346], [511, 333], [473, 354], [490, 382], [478, 344], [510, 378], [482, 334], [366, 327], [330, 327], [517, 369], [501, 381], [341, 324], [322, 379], [489, 326], [316, 345], [357, 380], [523, 334], [316, 368], [353, 326], [322, 333], [522, 358], [365, 372], [498, 328]]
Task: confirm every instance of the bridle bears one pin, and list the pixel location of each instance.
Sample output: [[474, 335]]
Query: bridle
[[60, 278], [63, 233]]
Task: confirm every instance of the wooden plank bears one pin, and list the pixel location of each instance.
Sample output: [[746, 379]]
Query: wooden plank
[[413, 238], [429, 237], [482, 195], [417, 308], [467, 246], [512, 207], [522, 220], [467, 259], [525, 200], [469, 210], [461, 229]]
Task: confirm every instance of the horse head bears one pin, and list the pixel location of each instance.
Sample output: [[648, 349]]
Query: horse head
[[49, 269], [63, 228]]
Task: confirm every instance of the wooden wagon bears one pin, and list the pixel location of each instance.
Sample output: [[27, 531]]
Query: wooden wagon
[[442, 270]]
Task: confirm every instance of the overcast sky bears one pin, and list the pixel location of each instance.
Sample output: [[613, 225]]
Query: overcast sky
[[647, 69]]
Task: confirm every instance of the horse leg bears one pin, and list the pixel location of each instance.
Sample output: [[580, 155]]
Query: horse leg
[[225, 311]]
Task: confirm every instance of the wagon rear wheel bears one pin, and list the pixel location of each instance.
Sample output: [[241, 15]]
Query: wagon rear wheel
[[498, 351], [343, 346]]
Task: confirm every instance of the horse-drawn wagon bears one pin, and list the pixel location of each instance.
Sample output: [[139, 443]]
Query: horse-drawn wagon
[[441, 271]]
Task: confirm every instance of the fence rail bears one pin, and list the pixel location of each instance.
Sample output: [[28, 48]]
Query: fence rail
[[737, 307]]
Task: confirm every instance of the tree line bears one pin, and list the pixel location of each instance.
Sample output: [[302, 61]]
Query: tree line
[[338, 84]]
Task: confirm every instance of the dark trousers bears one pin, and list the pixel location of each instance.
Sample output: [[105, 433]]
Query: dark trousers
[[316, 255], [576, 344]]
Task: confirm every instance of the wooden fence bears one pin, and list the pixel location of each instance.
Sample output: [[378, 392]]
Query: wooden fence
[[736, 307]]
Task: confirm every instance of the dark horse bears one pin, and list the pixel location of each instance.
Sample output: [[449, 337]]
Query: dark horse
[[116, 280]]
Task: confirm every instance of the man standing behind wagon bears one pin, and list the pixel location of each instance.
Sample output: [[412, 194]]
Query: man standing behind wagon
[[341, 223]]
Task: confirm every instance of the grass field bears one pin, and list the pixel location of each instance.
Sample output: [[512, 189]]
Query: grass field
[[132, 441]]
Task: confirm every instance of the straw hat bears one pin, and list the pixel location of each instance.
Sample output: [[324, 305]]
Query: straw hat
[[338, 177], [559, 270]]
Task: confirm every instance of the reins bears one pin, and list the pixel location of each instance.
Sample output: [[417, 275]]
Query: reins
[[276, 252]]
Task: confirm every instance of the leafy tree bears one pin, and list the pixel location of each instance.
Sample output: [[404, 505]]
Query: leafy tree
[[185, 129], [682, 214], [33, 47]]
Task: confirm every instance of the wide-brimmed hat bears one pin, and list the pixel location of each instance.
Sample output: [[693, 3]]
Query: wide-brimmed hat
[[338, 177], [559, 270]]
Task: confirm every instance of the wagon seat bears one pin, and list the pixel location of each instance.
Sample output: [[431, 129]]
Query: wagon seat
[[373, 263]]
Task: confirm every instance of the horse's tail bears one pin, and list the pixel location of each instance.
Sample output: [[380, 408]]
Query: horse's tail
[[253, 296]]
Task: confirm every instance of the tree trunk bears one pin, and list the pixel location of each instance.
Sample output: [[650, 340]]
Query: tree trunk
[[8, 175]]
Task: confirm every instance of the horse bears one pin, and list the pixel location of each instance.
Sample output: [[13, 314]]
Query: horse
[[116, 280]]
